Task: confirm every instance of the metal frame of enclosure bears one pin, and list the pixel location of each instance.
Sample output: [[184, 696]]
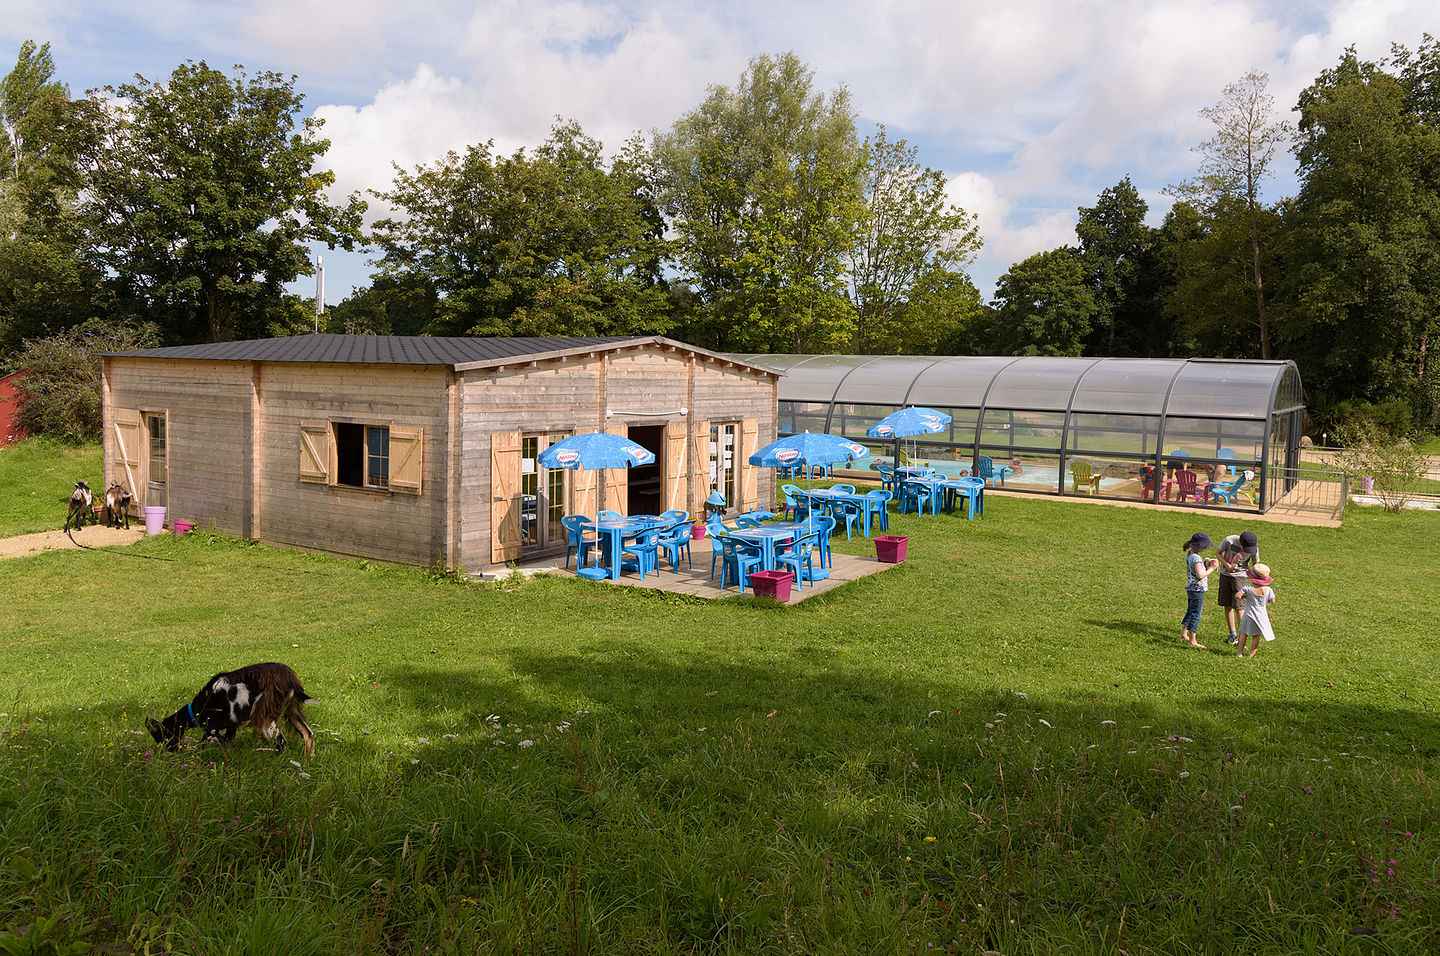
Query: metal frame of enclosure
[[1038, 415]]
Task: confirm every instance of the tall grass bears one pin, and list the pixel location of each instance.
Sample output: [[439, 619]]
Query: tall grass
[[998, 746]]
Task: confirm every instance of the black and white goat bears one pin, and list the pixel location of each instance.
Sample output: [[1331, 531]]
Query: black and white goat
[[82, 506], [117, 506], [257, 696]]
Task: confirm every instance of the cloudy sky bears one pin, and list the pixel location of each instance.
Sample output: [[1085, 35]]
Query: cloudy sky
[[1031, 107]]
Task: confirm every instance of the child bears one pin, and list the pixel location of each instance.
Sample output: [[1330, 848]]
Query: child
[[1197, 569], [1255, 621]]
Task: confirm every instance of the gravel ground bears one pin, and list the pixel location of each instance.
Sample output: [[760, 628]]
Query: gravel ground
[[91, 536]]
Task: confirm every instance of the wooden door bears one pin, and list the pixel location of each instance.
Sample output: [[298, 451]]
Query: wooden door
[[699, 468], [617, 482], [749, 483], [505, 507], [129, 454], [675, 477]]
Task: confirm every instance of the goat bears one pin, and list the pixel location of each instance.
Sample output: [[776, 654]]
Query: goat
[[82, 502], [256, 696], [117, 506]]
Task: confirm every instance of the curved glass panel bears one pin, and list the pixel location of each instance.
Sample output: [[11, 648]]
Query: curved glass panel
[[1038, 382], [884, 380], [1208, 437], [815, 378], [796, 417], [1127, 386], [957, 382], [1038, 431], [1114, 434], [851, 420], [1290, 394], [1225, 389]]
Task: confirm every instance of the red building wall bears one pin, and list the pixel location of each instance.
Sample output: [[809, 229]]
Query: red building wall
[[10, 430]]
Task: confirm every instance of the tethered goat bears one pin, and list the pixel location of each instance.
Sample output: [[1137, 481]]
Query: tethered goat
[[257, 696], [82, 502], [117, 506]]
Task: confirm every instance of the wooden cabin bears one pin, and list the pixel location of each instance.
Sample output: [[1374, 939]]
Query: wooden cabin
[[423, 451]]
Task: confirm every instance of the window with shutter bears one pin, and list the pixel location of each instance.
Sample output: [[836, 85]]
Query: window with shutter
[[315, 453], [407, 458]]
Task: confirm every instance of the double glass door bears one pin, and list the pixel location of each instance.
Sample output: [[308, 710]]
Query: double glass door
[[542, 495]]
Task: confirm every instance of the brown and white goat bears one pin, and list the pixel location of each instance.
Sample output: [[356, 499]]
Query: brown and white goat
[[82, 505], [257, 696], [117, 506]]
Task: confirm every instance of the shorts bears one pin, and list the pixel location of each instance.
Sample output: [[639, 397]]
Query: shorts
[[1230, 592], [1195, 603]]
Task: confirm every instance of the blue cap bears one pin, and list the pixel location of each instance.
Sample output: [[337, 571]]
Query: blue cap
[[716, 498]]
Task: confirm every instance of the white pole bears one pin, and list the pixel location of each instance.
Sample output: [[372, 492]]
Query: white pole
[[319, 291]]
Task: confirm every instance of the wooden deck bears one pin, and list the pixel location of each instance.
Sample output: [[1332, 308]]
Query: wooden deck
[[696, 582]]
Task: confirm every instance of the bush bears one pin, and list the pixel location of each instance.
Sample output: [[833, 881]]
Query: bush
[[1369, 451], [60, 394]]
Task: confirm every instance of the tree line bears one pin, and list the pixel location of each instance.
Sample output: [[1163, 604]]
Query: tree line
[[176, 211]]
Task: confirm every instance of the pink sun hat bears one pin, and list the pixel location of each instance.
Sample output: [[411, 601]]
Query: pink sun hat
[[1260, 574]]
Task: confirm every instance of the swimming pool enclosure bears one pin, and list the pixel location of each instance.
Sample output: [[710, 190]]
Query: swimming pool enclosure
[[1046, 419]]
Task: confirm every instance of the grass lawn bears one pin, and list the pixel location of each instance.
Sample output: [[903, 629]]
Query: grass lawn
[[36, 478], [998, 746]]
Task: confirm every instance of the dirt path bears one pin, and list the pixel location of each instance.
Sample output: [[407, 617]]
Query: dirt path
[[92, 536]]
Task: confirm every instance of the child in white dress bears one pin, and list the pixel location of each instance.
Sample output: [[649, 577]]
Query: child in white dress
[[1255, 621]]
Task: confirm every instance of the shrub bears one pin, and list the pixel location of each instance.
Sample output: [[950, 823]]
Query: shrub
[[1369, 451], [60, 394]]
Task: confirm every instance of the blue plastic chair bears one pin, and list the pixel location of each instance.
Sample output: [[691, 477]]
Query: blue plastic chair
[[1230, 490], [576, 542], [739, 556], [642, 554], [674, 542], [675, 517], [611, 516], [843, 489], [849, 512], [879, 505], [798, 554], [887, 476], [987, 471], [748, 521], [824, 528], [913, 496]]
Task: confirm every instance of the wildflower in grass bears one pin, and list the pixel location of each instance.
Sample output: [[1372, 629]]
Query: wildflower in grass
[[526, 743]]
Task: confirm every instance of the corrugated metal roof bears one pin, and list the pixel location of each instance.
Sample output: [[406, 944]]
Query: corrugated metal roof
[[377, 349]]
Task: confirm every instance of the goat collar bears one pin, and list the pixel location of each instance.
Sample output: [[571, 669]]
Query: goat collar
[[190, 712]]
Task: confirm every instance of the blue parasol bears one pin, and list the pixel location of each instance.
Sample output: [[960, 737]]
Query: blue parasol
[[595, 450], [809, 448], [909, 421]]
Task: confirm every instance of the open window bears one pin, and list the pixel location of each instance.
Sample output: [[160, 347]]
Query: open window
[[373, 457]]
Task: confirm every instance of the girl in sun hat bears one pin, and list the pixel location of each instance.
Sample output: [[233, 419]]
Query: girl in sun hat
[[1258, 595], [1197, 569]]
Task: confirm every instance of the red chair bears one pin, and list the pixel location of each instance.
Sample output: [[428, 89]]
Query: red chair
[[1186, 485]]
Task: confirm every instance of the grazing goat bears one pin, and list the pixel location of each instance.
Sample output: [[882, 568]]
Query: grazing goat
[[256, 696], [117, 506], [82, 502]]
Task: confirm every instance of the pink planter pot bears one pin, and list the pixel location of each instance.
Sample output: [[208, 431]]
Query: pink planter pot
[[697, 532], [183, 526], [772, 584], [154, 519], [891, 548]]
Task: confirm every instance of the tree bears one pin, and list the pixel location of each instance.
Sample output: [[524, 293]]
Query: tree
[[1212, 305], [1234, 162], [763, 186], [1362, 247], [1044, 305], [1113, 235], [554, 244], [206, 193], [45, 284], [912, 242]]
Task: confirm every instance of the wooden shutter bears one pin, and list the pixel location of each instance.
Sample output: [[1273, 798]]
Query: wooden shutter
[[407, 459], [676, 476], [617, 484], [129, 448], [699, 467], [315, 452], [582, 492], [749, 478], [504, 497]]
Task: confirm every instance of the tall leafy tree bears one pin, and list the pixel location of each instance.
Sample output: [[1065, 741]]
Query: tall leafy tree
[[912, 244], [1113, 236], [1363, 242], [1045, 305], [550, 244], [763, 186], [206, 193], [45, 283], [1233, 165]]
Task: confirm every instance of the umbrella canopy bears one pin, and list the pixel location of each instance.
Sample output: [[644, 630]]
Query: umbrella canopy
[[909, 421], [595, 450], [812, 448]]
